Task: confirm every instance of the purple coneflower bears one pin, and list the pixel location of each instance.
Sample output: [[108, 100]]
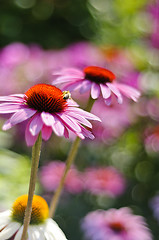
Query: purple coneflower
[[104, 181], [96, 79], [115, 224], [51, 174], [48, 109]]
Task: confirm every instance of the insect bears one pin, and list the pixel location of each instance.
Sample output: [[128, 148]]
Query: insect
[[66, 95]]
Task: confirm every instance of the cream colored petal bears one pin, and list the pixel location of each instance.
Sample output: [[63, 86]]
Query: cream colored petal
[[9, 231]]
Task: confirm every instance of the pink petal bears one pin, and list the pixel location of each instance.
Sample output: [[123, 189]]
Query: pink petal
[[80, 119], [47, 119], [10, 107], [7, 125], [85, 86], [83, 113], [87, 133], [128, 91], [22, 115], [46, 132], [115, 90], [36, 125], [58, 127], [70, 122], [108, 101], [105, 91], [71, 103], [72, 86], [30, 139], [70, 71], [66, 133], [65, 79], [12, 98], [95, 91]]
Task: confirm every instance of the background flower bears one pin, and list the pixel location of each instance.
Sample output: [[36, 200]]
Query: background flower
[[51, 174], [118, 224]]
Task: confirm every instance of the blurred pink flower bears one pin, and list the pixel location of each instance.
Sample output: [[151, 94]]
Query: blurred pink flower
[[152, 140], [51, 174], [115, 224], [98, 80], [153, 9], [104, 181], [14, 54], [49, 109]]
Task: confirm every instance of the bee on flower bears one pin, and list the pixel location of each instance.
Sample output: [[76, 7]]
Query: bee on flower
[[48, 109]]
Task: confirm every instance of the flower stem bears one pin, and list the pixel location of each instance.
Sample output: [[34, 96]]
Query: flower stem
[[69, 161], [34, 168], [71, 156]]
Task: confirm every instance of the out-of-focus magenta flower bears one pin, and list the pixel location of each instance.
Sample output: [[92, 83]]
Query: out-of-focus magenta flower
[[115, 224], [51, 174], [152, 140], [153, 9], [104, 181], [49, 109], [154, 204], [98, 80], [14, 54], [82, 54]]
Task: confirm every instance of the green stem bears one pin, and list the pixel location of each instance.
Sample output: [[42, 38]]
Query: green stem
[[71, 156], [34, 168]]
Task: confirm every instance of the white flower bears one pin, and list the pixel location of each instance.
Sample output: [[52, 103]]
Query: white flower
[[40, 228]]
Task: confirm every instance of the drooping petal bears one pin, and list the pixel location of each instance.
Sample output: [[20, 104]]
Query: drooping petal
[[46, 132], [105, 91], [83, 113], [72, 86], [108, 101], [87, 133], [36, 124], [85, 86], [115, 90], [22, 115], [7, 125], [30, 139], [95, 91], [10, 107], [80, 119], [47, 119], [70, 122], [9, 230], [66, 133], [58, 127], [128, 91]]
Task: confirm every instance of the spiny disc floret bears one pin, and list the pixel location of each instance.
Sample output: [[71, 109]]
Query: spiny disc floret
[[45, 97], [98, 74]]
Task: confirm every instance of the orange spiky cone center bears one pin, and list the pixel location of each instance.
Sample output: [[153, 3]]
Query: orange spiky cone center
[[40, 210], [98, 74], [45, 97]]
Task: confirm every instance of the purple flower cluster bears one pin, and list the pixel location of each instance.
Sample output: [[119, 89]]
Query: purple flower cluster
[[98, 181]]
